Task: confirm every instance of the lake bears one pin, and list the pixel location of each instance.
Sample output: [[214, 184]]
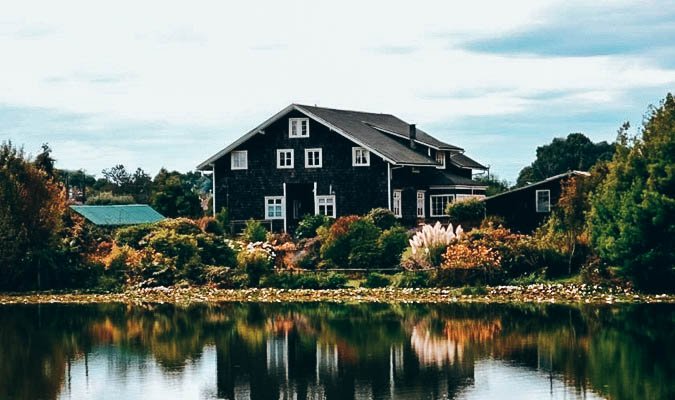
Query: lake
[[337, 351]]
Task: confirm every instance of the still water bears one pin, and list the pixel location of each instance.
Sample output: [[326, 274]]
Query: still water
[[334, 351]]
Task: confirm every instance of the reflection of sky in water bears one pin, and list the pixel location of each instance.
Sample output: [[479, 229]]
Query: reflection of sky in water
[[499, 380], [113, 374]]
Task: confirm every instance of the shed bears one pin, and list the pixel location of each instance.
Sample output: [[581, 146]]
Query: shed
[[116, 215], [525, 208]]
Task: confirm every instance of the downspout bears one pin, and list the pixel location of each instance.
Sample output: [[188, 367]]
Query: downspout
[[389, 185], [285, 200], [213, 189]]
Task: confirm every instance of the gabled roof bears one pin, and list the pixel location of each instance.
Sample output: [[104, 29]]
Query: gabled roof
[[549, 179], [130, 214], [462, 161], [370, 130]]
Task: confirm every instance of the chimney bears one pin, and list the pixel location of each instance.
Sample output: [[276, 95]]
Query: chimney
[[413, 135]]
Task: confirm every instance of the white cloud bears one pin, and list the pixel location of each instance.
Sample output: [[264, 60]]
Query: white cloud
[[225, 64]]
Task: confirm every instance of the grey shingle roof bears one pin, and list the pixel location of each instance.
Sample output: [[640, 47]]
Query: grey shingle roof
[[374, 131], [358, 125], [441, 177], [463, 161]]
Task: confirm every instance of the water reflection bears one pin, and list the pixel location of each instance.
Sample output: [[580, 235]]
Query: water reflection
[[332, 351]]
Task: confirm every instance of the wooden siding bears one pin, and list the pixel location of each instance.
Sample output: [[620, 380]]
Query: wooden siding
[[357, 189], [518, 208]]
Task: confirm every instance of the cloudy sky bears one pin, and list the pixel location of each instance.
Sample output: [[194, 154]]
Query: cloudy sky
[[151, 84]]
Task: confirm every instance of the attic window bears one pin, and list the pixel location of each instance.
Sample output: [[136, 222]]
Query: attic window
[[360, 157], [543, 201], [298, 127], [440, 159], [239, 159]]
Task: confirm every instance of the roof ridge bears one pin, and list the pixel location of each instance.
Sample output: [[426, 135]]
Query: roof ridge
[[344, 110]]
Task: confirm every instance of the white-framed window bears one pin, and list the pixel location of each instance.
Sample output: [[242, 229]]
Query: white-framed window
[[274, 207], [284, 158], [313, 158], [543, 201], [396, 205], [360, 157], [420, 204], [298, 127], [325, 205], [239, 159], [438, 202], [440, 159]]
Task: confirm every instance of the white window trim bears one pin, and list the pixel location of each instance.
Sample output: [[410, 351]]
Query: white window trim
[[299, 121], [354, 164], [397, 197], [431, 204], [245, 153], [536, 201], [325, 197], [279, 166], [442, 164], [423, 204], [283, 206], [307, 151]]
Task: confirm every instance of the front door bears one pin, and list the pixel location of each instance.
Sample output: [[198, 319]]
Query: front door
[[299, 202]]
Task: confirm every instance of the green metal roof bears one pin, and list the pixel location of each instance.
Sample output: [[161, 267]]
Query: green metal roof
[[130, 214]]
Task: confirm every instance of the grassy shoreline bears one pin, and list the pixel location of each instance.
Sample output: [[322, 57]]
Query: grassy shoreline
[[536, 293]]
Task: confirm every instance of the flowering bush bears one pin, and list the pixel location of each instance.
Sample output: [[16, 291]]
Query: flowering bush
[[256, 260], [431, 241]]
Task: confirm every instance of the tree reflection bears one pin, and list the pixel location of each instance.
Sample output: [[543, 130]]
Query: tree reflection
[[343, 351]]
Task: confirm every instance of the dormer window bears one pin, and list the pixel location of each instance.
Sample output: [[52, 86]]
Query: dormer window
[[440, 159], [360, 157], [298, 128]]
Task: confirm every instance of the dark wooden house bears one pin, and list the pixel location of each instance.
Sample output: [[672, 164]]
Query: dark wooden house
[[525, 208], [314, 160]]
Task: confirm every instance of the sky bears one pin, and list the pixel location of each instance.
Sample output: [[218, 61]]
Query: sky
[[156, 84]]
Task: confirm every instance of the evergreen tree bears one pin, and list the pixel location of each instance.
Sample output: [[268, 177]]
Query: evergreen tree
[[632, 215]]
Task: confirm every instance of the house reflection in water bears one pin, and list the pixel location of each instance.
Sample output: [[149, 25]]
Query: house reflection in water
[[290, 365]]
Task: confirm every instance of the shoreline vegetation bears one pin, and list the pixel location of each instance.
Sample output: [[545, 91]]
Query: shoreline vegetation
[[612, 229], [541, 293]]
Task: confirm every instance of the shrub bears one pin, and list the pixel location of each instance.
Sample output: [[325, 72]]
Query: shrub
[[215, 251], [468, 212], [392, 244], [107, 198], [360, 244], [254, 232], [431, 241], [255, 261], [309, 224], [210, 225], [288, 280], [223, 218], [467, 262], [182, 226], [382, 218], [225, 278], [411, 279], [333, 280], [376, 280], [133, 236]]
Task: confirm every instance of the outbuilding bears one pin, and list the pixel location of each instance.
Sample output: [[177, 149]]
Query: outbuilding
[[525, 208]]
